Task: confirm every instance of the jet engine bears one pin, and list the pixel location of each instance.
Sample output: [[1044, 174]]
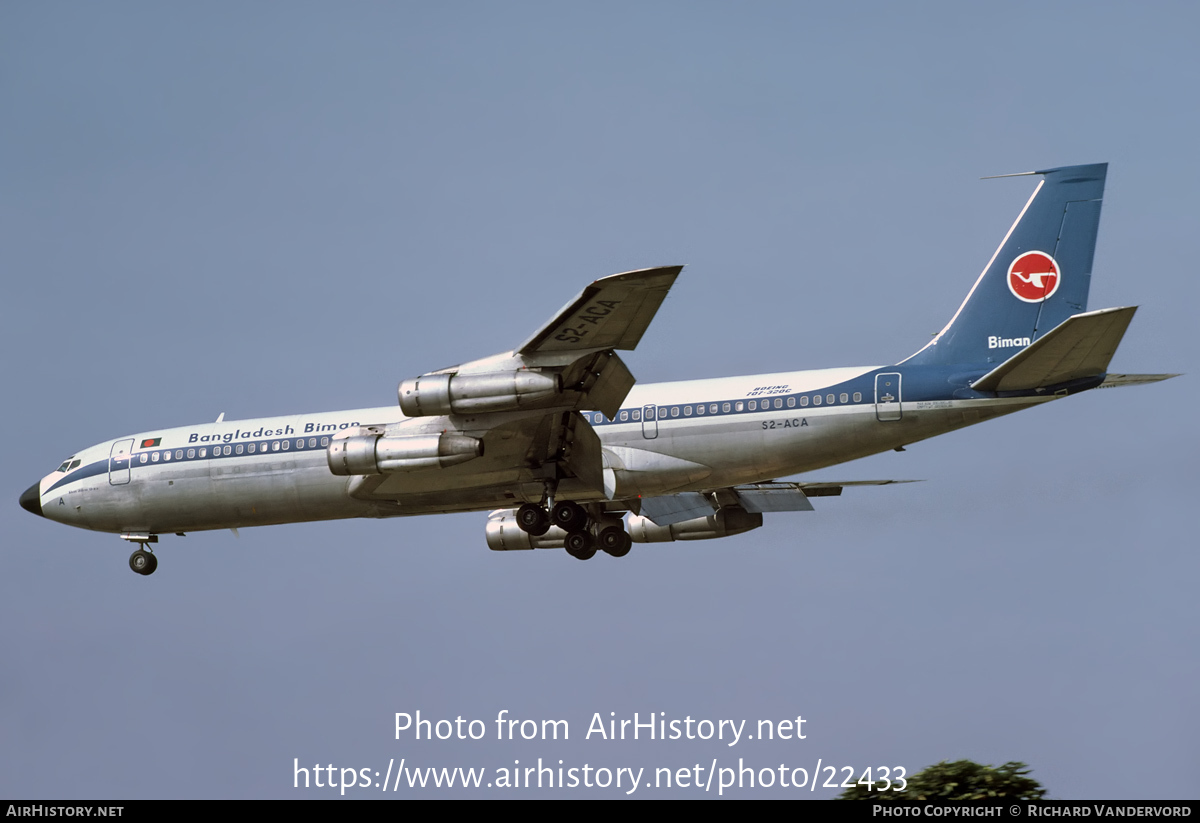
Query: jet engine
[[504, 535], [725, 522], [436, 394], [374, 454]]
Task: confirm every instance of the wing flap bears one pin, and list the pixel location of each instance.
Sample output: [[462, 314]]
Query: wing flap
[[756, 498], [581, 455], [611, 386], [1081, 346], [676, 508], [773, 497]]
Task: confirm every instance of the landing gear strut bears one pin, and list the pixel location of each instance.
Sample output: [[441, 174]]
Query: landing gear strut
[[141, 561]]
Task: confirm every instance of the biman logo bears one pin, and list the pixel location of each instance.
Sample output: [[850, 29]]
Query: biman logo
[[1033, 277]]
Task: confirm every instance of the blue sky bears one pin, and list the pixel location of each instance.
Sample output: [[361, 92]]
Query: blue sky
[[264, 209]]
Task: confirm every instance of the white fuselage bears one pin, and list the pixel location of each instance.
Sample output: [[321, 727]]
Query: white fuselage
[[667, 438]]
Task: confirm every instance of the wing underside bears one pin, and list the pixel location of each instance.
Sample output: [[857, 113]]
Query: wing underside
[[521, 452]]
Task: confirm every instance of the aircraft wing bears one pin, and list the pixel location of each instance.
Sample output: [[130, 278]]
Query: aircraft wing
[[611, 313], [570, 362], [521, 451], [754, 497], [523, 406]]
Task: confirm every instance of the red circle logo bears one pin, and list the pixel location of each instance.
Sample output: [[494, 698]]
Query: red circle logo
[[1034, 276]]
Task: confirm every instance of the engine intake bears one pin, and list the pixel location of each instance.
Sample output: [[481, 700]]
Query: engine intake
[[435, 394], [725, 522], [373, 454]]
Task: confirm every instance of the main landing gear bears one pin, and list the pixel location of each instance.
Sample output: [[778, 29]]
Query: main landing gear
[[584, 534]]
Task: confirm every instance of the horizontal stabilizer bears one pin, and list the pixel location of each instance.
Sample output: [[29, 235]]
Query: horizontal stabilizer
[[1080, 346], [1114, 380], [754, 497]]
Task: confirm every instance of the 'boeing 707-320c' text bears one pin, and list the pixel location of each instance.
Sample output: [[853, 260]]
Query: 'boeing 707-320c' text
[[558, 441]]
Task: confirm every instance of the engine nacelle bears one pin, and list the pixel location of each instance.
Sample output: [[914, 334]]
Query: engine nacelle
[[725, 522], [373, 454], [435, 394], [504, 535]]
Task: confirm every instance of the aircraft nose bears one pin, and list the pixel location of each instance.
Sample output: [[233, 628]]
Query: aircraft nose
[[31, 500]]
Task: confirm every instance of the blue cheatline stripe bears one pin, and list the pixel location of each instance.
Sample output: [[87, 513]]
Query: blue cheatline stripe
[[300, 444], [863, 386], [90, 470], [209, 453]]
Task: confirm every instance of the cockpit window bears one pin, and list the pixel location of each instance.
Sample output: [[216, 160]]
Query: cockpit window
[[68, 465]]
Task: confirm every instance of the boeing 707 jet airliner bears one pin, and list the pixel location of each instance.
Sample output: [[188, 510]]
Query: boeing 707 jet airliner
[[557, 440]]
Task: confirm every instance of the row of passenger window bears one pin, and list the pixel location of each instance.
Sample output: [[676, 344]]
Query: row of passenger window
[[239, 448], [698, 409]]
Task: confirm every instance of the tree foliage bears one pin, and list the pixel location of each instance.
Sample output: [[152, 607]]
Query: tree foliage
[[960, 780]]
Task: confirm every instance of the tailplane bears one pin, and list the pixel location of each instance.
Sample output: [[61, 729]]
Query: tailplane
[[1078, 348], [1038, 277]]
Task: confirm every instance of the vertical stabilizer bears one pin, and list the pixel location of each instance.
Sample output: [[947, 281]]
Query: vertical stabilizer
[[1038, 277]]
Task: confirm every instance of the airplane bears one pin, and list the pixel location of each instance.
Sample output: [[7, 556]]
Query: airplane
[[565, 450]]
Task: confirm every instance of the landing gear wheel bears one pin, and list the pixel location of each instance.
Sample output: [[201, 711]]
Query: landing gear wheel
[[568, 516], [533, 519], [615, 542], [579, 545], [143, 562]]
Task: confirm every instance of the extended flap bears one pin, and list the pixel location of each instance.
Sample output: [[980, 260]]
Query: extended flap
[[611, 387]]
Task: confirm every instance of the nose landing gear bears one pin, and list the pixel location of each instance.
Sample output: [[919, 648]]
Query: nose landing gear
[[143, 562]]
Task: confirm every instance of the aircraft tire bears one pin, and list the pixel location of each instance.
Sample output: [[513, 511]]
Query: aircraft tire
[[617, 544], [533, 519], [142, 562], [569, 516], [579, 545]]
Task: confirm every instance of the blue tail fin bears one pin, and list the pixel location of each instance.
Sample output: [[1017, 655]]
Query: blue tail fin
[[1037, 278]]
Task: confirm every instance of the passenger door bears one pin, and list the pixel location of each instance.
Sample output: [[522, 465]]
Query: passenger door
[[887, 397], [118, 462]]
